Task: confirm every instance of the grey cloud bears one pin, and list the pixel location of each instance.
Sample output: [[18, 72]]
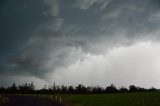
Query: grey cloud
[[86, 4], [123, 22], [44, 54], [55, 24], [131, 17], [17, 22], [54, 7], [120, 20], [58, 39]]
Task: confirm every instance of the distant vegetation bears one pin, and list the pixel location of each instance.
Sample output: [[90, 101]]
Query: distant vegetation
[[87, 96], [80, 89]]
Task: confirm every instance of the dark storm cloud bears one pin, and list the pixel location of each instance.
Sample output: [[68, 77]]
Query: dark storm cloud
[[43, 54], [18, 20], [2, 2], [47, 34], [121, 21], [132, 16]]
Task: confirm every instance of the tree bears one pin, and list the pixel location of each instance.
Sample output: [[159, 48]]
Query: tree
[[63, 89], [133, 88], [2, 90], [152, 89], [97, 89], [123, 90], [13, 88], [111, 89], [81, 89], [70, 89], [27, 88]]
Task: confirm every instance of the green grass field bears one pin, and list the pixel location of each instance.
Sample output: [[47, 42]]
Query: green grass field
[[125, 99]]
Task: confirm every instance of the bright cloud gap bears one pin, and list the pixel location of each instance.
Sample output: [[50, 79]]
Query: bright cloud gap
[[136, 64]]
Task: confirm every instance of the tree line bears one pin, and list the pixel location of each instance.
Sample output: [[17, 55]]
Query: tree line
[[29, 88]]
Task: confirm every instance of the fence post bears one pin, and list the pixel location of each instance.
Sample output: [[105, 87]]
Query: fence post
[[60, 99], [51, 97]]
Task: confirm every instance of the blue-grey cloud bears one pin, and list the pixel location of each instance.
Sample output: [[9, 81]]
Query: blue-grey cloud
[[41, 36], [18, 21]]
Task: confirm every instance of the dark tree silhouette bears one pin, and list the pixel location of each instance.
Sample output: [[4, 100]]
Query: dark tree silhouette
[[12, 89], [80, 89], [111, 89], [123, 90], [70, 89], [97, 89], [133, 88], [152, 89], [26, 88], [2, 90], [63, 89]]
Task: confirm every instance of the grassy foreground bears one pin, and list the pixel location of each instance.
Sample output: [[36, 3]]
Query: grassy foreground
[[126, 99]]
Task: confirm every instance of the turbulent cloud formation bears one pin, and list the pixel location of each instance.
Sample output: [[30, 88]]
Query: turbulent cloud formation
[[54, 7], [86, 4], [90, 41]]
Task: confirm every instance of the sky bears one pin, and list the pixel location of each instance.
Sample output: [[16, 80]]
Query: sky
[[71, 42]]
